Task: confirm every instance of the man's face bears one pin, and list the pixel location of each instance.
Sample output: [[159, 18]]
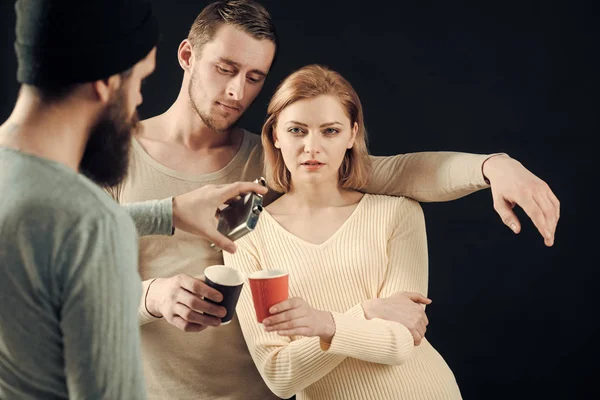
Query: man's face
[[227, 76], [106, 154]]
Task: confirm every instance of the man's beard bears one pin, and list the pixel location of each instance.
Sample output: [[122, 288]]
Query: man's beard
[[106, 155], [209, 121]]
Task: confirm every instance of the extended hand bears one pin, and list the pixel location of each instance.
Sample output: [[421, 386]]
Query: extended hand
[[195, 212], [514, 184]]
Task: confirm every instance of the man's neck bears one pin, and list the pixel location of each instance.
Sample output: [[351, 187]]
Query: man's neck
[[180, 141], [53, 132], [181, 125]]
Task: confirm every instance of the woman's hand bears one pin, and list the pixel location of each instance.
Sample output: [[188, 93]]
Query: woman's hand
[[296, 317], [402, 307]]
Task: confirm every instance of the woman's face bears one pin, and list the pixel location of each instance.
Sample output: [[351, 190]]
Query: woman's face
[[313, 136]]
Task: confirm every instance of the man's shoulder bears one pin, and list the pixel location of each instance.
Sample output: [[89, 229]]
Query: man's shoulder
[[251, 155], [151, 126], [47, 190], [254, 140]]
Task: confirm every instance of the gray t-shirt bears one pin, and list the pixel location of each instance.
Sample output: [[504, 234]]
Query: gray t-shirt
[[69, 286]]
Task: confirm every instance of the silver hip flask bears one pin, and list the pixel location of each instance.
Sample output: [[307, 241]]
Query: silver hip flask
[[241, 216]]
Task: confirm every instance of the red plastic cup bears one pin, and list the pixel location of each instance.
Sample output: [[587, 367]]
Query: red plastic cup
[[268, 288]]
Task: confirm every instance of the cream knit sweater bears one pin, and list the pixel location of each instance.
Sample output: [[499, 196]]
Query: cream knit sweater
[[379, 250]]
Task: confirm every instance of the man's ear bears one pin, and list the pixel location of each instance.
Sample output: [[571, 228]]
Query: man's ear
[[105, 87], [354, 133], [185, 55]]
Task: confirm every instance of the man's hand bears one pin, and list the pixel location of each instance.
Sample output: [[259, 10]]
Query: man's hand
[[513, 184], [196, 211], [297, 317], [180, 300], [402, 307]]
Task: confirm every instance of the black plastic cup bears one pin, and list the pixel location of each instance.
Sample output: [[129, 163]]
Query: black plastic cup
[[229, 282]]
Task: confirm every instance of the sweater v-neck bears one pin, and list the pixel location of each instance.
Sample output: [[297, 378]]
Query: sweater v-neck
[[330, 239]]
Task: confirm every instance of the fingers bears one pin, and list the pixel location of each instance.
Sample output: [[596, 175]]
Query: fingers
[[556, 203], [196, 304], [220, 240], [292, 323], [282, 318], [286, 305], [185, 326], [187, 311], [550, 206], [538, 201], [193, 317], [421, 327], [533, 210], [418, 298], [288, 315], [556, 215], [416, 336], [234, 189], [231, 200], [300, 331], [506, 213], [198, 287], [419, 336], [543, 202]]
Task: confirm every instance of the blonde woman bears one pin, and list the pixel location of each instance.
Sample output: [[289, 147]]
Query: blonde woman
[[354, 326]]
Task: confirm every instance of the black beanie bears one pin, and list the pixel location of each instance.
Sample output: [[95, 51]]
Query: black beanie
[[75, 41]]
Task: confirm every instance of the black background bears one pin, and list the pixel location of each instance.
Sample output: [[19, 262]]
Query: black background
[[513, 319]]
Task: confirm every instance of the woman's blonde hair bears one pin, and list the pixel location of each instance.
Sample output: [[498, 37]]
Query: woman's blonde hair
[[307, 83]]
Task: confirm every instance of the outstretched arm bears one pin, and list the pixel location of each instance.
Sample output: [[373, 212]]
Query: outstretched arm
[[194, 212], [428, 176], [444, 176], [152, 217]]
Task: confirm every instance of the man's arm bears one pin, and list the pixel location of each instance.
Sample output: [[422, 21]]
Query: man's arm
[[101, 287], [428, 176], [194, 212], [152, 217], [443, 176]]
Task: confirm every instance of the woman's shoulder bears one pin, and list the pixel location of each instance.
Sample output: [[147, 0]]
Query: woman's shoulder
[[383, 200], [277, 206], [390, 206]]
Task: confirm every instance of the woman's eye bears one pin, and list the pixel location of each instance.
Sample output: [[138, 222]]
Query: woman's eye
[[295, 130], [331, 131]]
